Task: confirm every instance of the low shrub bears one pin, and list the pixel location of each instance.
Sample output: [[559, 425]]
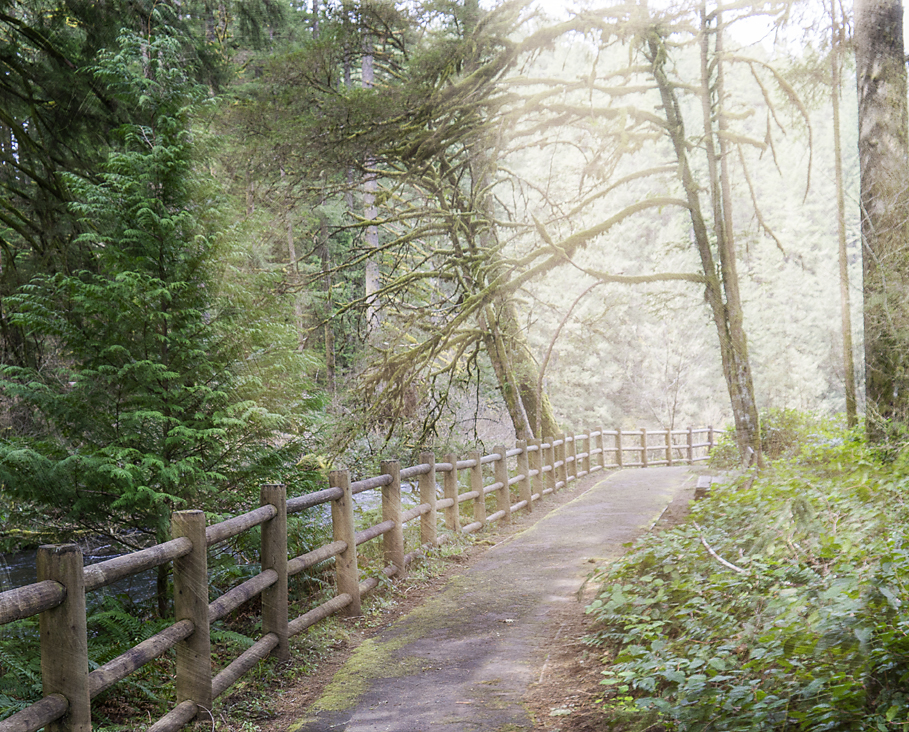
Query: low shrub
[[780, 606], [785, 434]]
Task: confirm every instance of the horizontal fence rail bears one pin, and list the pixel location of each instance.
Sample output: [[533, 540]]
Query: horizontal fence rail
[[515, 479]]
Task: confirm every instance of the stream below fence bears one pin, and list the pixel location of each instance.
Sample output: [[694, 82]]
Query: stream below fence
[[18, 569]]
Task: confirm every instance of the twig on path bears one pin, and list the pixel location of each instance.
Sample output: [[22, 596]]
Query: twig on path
[[716, 556]]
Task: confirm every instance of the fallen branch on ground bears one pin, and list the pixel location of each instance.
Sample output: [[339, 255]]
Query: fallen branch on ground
[[716, 556]]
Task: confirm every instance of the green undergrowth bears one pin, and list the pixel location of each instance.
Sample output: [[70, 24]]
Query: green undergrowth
[[784, 433], [808, 630]]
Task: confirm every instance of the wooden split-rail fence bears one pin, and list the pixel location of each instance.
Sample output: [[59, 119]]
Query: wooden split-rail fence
[[539, 468]]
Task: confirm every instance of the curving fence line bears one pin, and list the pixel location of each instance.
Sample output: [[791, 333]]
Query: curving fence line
[[538, 469]]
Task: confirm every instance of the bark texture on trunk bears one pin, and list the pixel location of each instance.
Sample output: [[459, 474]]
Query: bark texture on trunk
[[327, 327], [370, 212], [883, 159]]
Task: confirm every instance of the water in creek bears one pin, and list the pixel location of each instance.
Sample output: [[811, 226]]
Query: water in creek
[[18, 568]]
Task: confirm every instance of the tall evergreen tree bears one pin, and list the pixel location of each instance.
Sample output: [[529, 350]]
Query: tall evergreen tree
[[837, 34], [146, 412], [54, 119]]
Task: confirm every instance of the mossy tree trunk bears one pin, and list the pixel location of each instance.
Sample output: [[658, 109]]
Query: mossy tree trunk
[[516, 371], [721, 278], [884, 163]]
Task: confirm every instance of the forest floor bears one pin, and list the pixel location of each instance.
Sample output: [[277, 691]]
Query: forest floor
[[384, 675]]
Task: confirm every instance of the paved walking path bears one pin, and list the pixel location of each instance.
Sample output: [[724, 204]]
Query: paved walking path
[[463, 660]]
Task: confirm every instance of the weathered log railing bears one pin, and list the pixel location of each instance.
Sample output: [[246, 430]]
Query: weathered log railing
[[540, 468]]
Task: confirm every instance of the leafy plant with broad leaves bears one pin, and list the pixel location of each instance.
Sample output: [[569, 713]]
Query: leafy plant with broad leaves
[[808, 631]]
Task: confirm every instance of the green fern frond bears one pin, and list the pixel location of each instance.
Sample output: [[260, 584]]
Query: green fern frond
[[230, 637]]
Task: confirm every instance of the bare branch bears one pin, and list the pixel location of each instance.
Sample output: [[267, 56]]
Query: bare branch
[[757, 209], [605, 277]]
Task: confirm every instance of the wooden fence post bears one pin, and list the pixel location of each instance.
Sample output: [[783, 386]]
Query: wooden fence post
[[503, 495], [576, 462], [535, 460], [64, 638], [669, 446], [563, 468], [571, 458], [342, 524], [393, 541], [690, 446], [274, 556], [428, 495], [524, 489], [644, 461], [191, 603], [550, 461], [452, 514], [709, 439], [618, 447], [601, 446], [476, 485], [589, 447]]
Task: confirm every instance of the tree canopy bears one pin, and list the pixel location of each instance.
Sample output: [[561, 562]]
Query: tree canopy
[[234, 237]]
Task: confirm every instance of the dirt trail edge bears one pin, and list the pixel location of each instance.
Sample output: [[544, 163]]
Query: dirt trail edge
[[464, 660]]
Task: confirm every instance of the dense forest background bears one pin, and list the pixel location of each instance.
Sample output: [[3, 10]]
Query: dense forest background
[[241, 240]]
